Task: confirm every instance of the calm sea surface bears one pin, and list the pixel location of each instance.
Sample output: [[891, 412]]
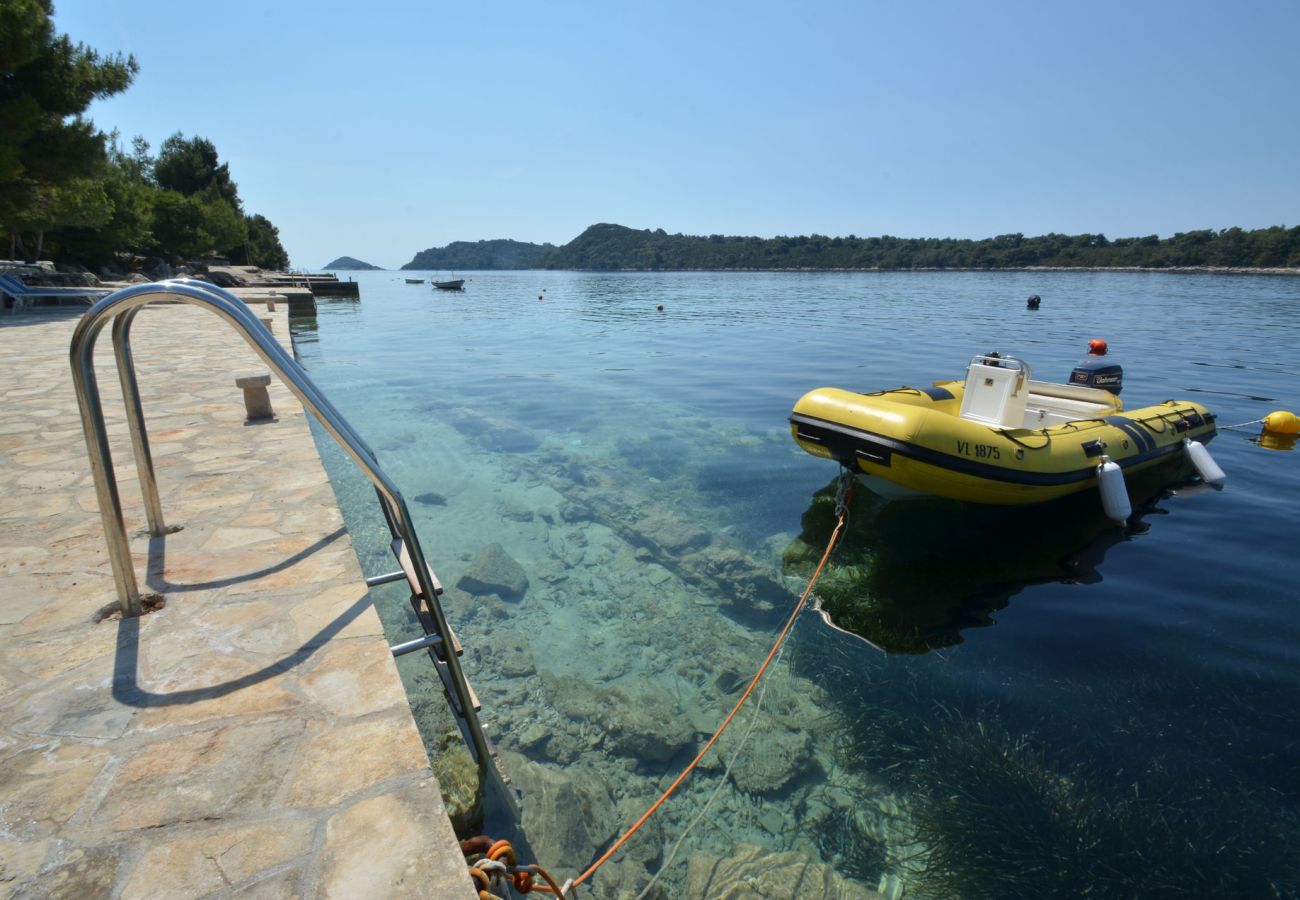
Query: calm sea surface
[[1065, 706]]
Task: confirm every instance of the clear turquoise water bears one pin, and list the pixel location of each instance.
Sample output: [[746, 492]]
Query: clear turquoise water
[[1120, 706]]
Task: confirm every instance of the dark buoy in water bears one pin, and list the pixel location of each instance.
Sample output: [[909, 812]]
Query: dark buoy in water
[[660, 307], [1033, 301], [539, 296]]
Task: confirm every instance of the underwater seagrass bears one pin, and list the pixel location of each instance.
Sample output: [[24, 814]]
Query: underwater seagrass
[[1000, 820], [844, 845], [1012, 802]]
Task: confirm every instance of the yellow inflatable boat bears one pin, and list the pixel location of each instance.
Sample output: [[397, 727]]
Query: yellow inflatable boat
[[999, 437]]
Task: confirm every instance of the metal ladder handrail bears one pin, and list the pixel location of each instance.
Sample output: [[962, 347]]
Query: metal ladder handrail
[[121, 308]]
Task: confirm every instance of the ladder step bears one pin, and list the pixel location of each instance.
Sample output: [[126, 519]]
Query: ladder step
[[429, 640], [473, 697], [445, 674], [389, 578], [408, 567]]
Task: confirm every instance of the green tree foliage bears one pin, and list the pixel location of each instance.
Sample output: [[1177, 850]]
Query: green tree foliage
[[128, 184], [466, 255], [50, 157], [191, 166], [60, 177], [197, 211], [192, 169], [192, 226], [614, 247], [263, 246], [74, 202]]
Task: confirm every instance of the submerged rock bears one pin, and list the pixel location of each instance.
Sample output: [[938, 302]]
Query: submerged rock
[[640, 721], [733, 574], [494, 571], [576, 512], [659, 531], [493, 434], [645, 849], [508, 652], [771, 759], [562, 747], [458, 775], [568, 816], [514, 511], [459, 782], [752, 872], [667, 531]]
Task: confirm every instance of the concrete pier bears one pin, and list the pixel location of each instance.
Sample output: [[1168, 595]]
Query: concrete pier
[[251, 736], [300, 300]]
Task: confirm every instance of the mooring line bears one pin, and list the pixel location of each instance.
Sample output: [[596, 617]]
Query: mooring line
[[842, 501]]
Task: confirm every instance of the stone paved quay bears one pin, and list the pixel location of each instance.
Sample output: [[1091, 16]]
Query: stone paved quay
[[250, 739]]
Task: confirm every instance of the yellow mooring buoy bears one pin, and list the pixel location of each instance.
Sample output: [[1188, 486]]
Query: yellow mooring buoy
[[1282, 422]]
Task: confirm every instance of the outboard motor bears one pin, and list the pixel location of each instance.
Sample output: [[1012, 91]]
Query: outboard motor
[[1097, 372]]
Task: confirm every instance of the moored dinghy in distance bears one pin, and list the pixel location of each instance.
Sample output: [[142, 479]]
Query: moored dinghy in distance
[[453, 284], [1001, 438]]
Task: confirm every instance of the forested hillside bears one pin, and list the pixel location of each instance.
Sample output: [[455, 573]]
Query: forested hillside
[[614, 247], [617, 248], [498, 254]]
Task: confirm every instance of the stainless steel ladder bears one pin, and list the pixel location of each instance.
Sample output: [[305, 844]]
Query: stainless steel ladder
[[120, 308]]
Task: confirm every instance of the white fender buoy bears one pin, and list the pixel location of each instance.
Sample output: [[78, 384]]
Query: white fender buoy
[[1114, 495], [1205, 465]]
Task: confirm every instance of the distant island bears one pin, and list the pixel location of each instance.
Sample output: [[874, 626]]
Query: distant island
[[607, 247], [497, 254], [347, 262]]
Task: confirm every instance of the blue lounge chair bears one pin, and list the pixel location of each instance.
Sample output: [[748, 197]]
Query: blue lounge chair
[[22, 293]]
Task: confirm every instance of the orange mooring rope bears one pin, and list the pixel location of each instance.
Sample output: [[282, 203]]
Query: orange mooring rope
[[842, 513], [521, 878]]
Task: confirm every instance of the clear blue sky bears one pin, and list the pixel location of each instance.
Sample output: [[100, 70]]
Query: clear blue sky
[[379, 129]]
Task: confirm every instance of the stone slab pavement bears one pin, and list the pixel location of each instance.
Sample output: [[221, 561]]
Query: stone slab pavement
[[252, 737]]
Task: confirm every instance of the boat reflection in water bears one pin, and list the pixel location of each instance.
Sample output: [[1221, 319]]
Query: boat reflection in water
[[910, 576]]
